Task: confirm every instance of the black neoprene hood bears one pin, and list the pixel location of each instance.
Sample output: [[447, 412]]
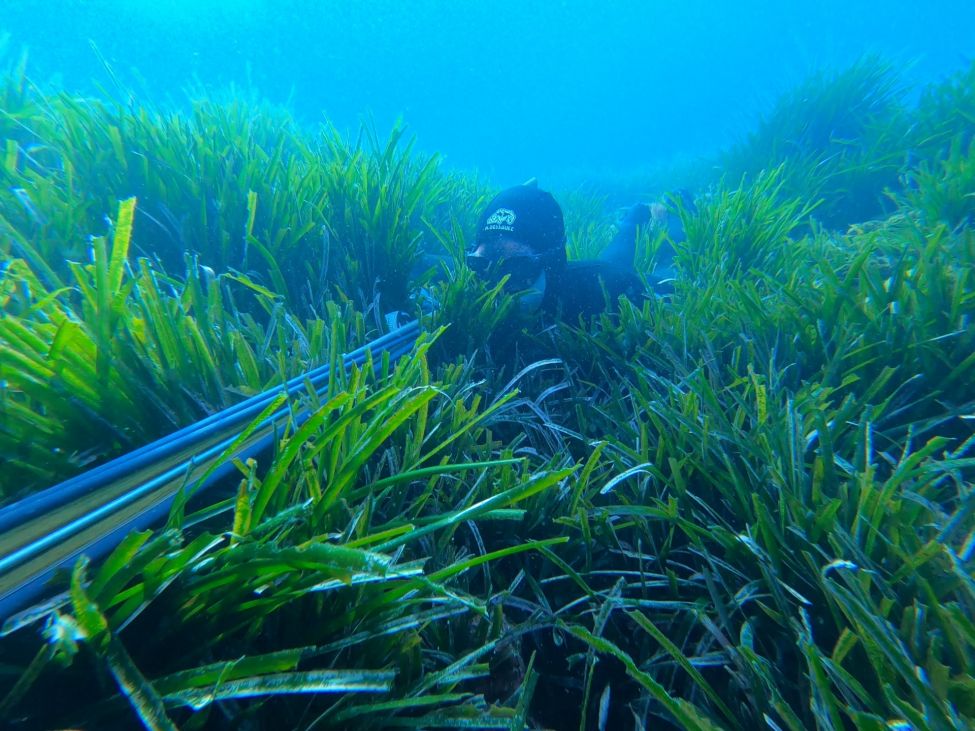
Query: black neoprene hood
[[525, 214]]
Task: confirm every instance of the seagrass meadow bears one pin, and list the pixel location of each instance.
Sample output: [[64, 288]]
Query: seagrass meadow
[[749, 504]]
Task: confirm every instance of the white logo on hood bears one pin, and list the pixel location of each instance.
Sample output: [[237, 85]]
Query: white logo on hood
[[502, 219]]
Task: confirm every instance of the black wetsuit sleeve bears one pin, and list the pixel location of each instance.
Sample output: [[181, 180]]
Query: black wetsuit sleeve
[[621, 252], [622, 249]]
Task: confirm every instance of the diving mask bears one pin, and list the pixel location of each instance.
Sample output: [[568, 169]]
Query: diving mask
[[523, 271]]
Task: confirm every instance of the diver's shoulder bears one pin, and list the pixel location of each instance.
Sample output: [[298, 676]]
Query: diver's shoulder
[[590, 286], [609, 273], [590, 267]]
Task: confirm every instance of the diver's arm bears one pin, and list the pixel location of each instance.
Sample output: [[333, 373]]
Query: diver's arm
[[622, 249]]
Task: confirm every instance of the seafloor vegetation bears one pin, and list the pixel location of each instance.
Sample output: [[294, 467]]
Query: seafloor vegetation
[[747, 505]]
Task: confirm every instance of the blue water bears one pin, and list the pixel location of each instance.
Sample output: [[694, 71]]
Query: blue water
[[558, 90]]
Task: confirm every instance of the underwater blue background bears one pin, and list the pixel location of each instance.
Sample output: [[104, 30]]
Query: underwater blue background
[[559, 90]]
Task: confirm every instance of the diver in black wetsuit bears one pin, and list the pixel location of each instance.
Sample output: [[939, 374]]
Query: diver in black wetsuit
[[521, 234]]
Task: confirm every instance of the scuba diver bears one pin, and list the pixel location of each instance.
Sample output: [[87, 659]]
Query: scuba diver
[[521, 234]]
